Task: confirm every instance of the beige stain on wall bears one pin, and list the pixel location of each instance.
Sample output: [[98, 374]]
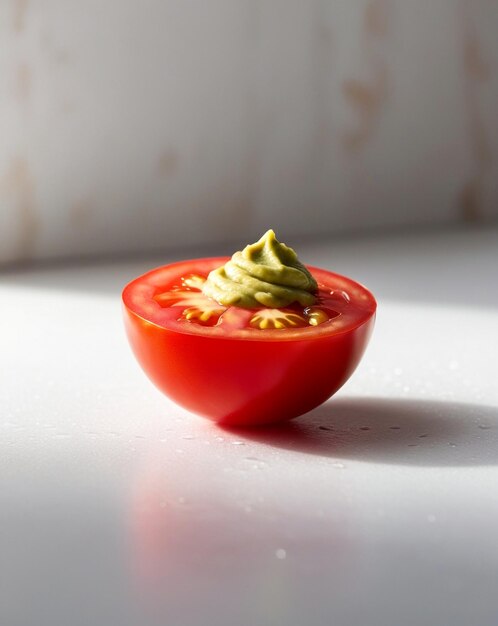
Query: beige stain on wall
[[376, 18], [367, 98], [476, 71], [470, 201], [20, 8], [19, 189]]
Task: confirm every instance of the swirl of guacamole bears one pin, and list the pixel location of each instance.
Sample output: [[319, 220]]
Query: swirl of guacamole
[[266, 273]]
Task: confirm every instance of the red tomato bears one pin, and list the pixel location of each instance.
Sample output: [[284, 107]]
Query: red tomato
[[245, 366]]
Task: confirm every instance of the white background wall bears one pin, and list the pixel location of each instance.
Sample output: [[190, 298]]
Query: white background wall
[[140, 124]]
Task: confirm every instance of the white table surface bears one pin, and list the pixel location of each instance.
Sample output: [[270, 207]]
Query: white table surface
[[119, 508]]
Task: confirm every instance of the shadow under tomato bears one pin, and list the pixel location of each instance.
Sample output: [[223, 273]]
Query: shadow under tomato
[[397, 431]]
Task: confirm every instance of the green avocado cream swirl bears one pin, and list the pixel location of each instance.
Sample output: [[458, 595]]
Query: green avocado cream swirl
[[266, 273]]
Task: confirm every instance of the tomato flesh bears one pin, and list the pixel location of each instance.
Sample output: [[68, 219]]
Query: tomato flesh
[[245, 366]]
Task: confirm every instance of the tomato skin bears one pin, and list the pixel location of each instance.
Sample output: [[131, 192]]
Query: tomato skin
[[246, 382]]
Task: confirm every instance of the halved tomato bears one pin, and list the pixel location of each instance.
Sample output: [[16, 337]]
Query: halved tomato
[[242, 366]]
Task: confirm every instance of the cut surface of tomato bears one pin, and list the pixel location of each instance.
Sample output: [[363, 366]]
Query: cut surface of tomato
[[245, 366]]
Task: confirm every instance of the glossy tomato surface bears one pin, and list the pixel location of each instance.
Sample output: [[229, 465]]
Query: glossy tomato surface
[[245, 366]]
